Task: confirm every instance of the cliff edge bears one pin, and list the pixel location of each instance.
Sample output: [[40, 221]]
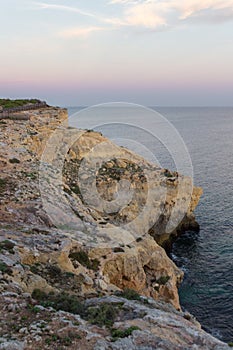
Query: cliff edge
[[43, 259]]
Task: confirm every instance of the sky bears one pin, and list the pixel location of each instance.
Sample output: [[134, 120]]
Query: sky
[[149, 52]]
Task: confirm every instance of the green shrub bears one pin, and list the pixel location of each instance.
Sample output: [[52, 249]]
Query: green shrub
[[5, 269], [7, 245], [129, 294], [3, 184], [168, 173], [14, 161], [32, 176], [7, 103], [117, 333], [230, 344], [34, 269], [83, 258], [35, 309], [52, 339], [69, 274], [76, 190], [103, 315], [62, 301], [163, 280], [39, 295], [66, 341]]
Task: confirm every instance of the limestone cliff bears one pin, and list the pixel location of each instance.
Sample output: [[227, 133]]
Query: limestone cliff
[[37, 252]]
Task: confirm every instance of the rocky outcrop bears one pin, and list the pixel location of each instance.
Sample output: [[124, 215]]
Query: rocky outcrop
[[108, 323], [161, 203], [62, 264], [82, 216], [130, 258], [145, 268]]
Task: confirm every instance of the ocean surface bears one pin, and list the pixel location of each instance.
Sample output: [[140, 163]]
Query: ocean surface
[[206, 257]]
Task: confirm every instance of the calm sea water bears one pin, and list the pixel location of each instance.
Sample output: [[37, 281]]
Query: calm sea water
[[206, 257]]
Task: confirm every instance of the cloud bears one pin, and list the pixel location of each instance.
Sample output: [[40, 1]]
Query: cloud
[[80, 32], [145, 15], [46, 6], [149, 14], [192, 8], [125, 1], [156, 13]]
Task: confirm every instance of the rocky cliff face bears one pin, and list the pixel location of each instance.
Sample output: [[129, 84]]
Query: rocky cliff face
[[162, 202], [38, 253]]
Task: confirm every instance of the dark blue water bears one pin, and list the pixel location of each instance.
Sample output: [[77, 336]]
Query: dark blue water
[[206, 257]]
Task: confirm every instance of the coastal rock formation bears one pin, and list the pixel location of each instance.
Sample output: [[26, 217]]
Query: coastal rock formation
[[67, 230], [131, 259], [107, 323], [161, 203]]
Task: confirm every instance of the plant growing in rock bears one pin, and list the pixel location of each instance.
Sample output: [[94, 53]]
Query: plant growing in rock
[[7, 246], [61, 301], [103, 315], [5, 269], [118, 333], [168, 173], [3, 183], [83, 258], [129, 294], [163, 280], [14, 161]]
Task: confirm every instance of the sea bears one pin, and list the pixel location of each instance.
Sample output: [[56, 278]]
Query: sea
[[206, 257]]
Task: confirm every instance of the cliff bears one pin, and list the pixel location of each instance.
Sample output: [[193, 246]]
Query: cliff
[[64, 230]]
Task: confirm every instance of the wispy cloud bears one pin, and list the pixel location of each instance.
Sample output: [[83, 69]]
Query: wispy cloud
[[46, 6], [80, 32], [196, 8], [148, 14]]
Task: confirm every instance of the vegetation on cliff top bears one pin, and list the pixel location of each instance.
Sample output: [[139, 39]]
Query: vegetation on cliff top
[[102, 315], [7, 103]]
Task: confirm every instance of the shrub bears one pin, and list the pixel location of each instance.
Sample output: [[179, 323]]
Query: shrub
[[168, 173], [62, 301], [3, 183], [129, 294], [117, 333], [66, 340], [76, 190], [83, 258], [14, 161], [163, 280], [103, 315], [7, 245], [7, 103], [39, 295], [32, 176], [5, 269]]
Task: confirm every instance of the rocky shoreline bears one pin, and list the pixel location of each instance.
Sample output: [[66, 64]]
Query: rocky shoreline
[[123, 294]]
